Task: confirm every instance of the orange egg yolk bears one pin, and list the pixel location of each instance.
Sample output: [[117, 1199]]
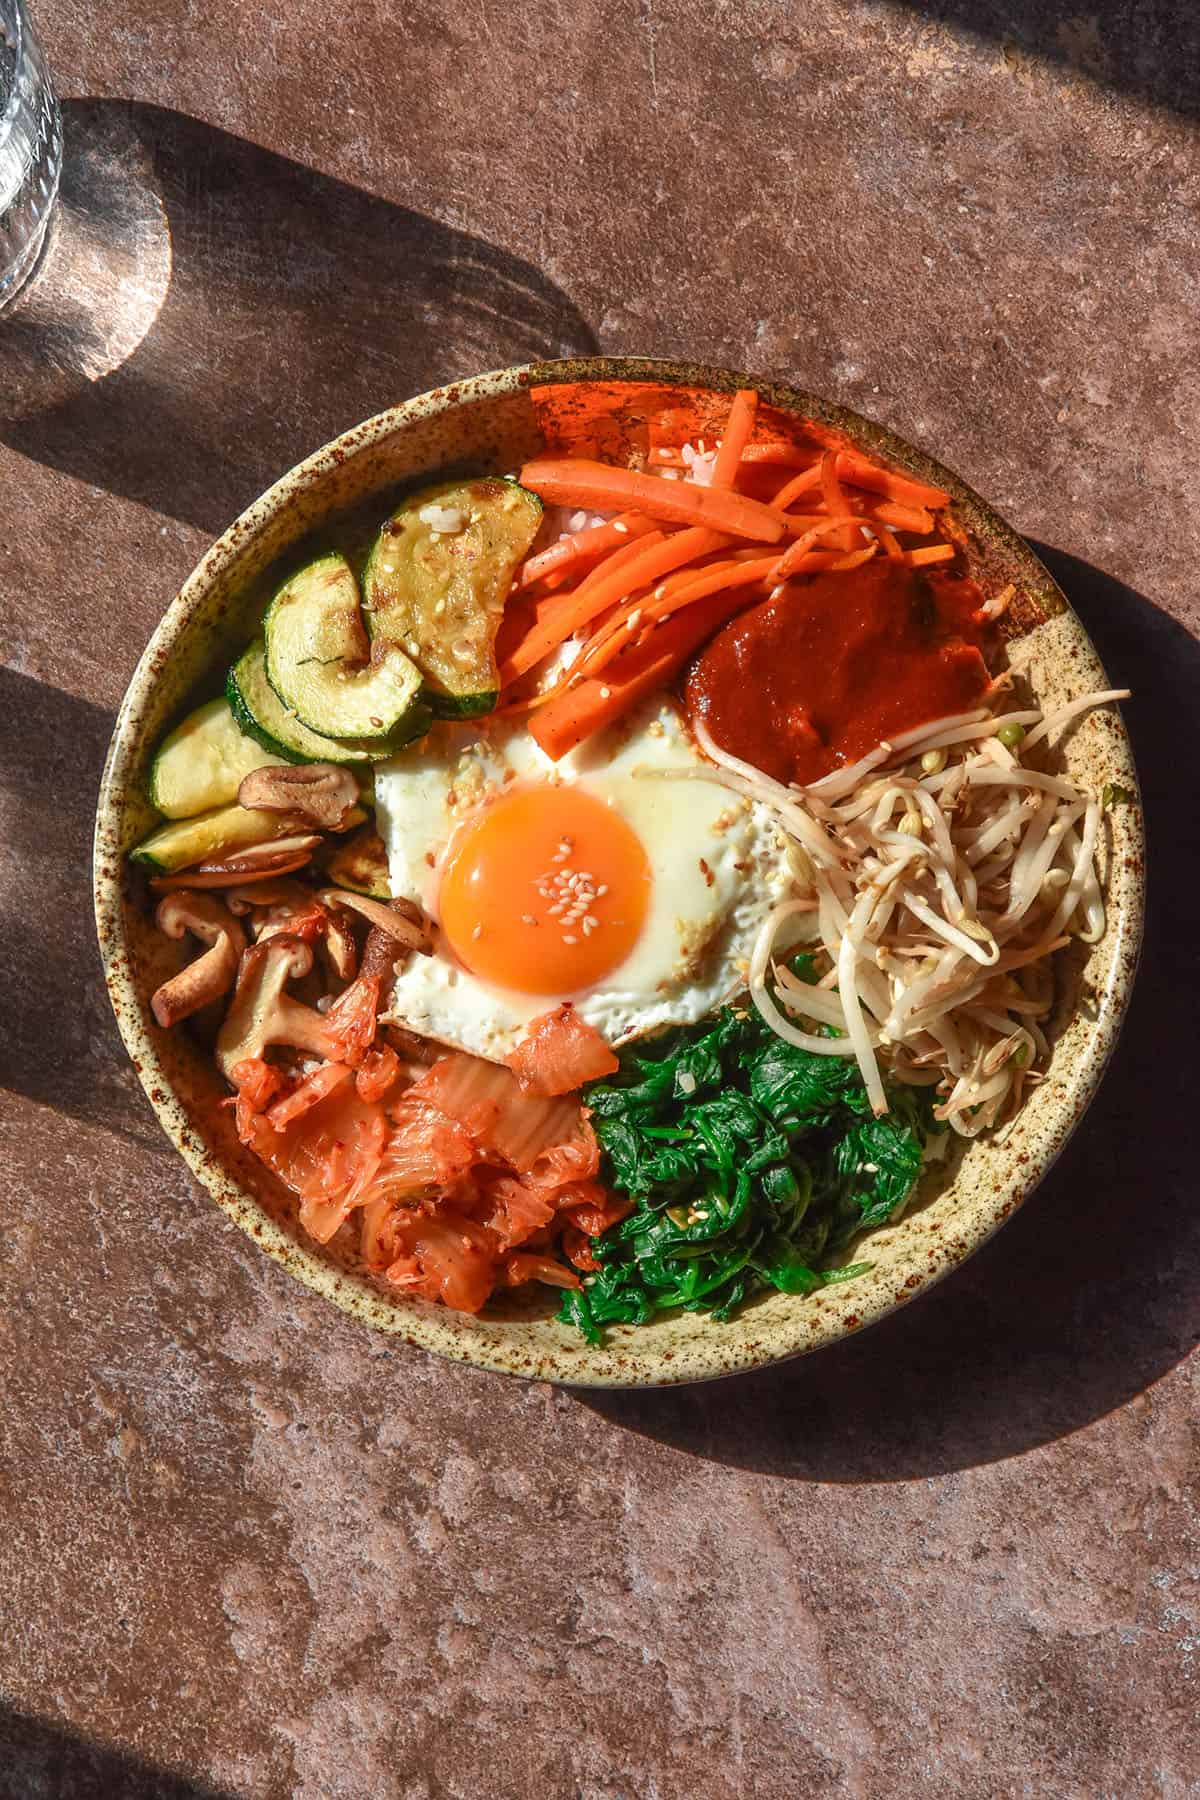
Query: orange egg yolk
[[545, 891]]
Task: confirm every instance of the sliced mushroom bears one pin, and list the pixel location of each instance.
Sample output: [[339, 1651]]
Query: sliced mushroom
[[262, 862], [264, 1013], [319, 794], [209, 975], [410, 1045], [276, 904], [400, 918], [282, 892], [305, 918], [380, 953], [339, 947]]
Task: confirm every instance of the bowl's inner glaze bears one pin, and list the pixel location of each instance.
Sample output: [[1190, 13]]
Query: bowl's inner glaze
[[491, 423]]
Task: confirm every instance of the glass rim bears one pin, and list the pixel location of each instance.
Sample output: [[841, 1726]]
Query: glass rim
[[19, 49]]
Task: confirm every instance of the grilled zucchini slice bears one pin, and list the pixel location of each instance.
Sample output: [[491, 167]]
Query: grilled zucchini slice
[[360, 863], [437, 580], [259, 711], [324, 667], [202, 762], [208, 838]]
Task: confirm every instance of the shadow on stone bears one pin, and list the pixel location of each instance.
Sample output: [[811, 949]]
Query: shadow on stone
[[1151, 50], [41, 1760], [60, 1044], [1092, 1292], [296, 306]]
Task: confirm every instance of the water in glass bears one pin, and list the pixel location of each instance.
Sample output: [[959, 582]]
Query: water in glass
[[30, 148]]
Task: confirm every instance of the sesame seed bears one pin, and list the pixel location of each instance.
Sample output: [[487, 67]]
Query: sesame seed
[[590, 921], [620, 525], [477, 932], [606, 693], [555, 910], [602, 889], [569, 937], [528, 919]]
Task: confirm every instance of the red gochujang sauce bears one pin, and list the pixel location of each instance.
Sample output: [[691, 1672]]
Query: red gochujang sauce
[[839, 663]]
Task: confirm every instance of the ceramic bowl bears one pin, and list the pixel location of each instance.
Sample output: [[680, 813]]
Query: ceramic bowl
[[491, 421]]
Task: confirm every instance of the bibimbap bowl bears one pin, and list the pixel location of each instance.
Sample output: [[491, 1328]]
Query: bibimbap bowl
[[491, 423]]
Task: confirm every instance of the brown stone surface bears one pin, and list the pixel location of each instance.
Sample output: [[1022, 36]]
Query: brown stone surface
[[249, 1549]]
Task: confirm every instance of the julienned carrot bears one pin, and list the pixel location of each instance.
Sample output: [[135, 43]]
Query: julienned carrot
[[848, 536], [816, 562], [605, 588], [620, 559], [713, 580], [543, 613], [799, 484], [856, 557], [575, 715], [580, 545], [928, 553], [903, 518], [551, 623], [647, 604], [793, 556], [575, 481], [672, 597], [890, 545], [738, 427], [909, 498], [549, 611], [859, 472], [785, 456], [627, 622], [544, 617], [722, 578], [634, 604]]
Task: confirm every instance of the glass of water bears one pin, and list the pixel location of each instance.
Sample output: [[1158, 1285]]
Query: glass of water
[[30, 149]]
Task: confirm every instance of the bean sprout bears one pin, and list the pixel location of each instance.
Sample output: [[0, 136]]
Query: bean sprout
[[936, 897]]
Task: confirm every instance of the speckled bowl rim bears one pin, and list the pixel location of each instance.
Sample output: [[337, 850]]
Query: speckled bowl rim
[[433, 1328]]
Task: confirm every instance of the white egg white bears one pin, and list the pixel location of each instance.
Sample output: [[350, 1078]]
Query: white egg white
[[718, 865]]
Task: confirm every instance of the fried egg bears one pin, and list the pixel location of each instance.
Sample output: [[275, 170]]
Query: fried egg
[[607, 879]]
